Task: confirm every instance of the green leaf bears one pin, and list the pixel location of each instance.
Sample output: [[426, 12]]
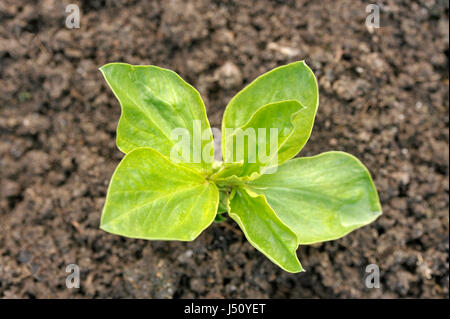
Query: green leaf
[[264, 230], [150, 197], [275, 133], [227, 176], [321, 198], [294, 81], [227, 171], [223, 201], [158, 107]]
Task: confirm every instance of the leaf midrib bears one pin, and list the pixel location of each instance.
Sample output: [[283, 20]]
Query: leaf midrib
[[171, 194], [144, 111], [305, 191]]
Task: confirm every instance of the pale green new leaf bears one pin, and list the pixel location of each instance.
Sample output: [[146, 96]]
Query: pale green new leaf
[[321, 198], [294, 81], [228, 174], [264, 230], [150, 197], [275, 133], [157, 107]]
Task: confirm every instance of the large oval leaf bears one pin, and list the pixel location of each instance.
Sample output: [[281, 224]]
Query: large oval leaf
[[294, 81], [264, 230], [321, 198], [150, 197], [157, 107]]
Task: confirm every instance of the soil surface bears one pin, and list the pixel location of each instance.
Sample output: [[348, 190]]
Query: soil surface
[[384, 97]]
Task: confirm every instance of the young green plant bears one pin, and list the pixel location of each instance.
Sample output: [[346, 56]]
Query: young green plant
[[171, 189]]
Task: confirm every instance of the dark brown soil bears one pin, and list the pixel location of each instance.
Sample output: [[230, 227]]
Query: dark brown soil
[[384, 98]]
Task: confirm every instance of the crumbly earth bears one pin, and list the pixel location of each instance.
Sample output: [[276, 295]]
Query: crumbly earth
[[384, 97]]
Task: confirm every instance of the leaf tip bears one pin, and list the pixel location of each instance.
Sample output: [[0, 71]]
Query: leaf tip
[[295, 269], [104, 67]]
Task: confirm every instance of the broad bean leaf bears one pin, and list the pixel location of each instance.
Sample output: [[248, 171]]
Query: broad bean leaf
[[150, 197], [264, 230], [157, 107], [294, 81], [229, 172], [223, 201], [321, 198], [274, 134]]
